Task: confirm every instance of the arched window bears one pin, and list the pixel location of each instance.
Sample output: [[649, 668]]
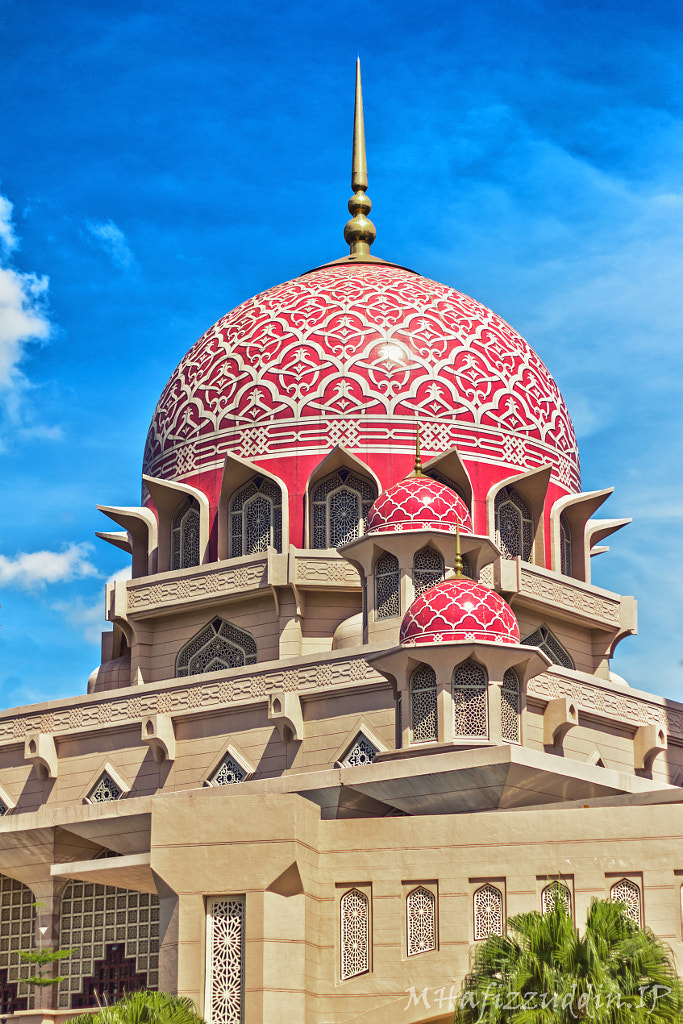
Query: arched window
[[219, 645], [514, 524], [470, 700], [421, 921], [546, 641], [256, 518], [510, 707], [428, 570], [628, 893], [387, 587], [17, 928], [554, 893], [355, 934], [185, 534], [340, 504], [488, 912], [423, 712], [565, 546]]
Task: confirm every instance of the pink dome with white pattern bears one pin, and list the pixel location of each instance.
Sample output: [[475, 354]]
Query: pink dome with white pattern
[[419, 503], [459, 610]]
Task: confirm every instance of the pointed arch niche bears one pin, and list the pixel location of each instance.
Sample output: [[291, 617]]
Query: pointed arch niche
[[340, 489], [181, 510], [449, 469], [520, 498], [237, 474]]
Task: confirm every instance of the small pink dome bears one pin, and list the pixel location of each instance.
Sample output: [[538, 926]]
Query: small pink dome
[[419, 503], [459, 610]]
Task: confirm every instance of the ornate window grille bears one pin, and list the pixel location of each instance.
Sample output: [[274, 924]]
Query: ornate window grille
[[488, 912], [428, 570], [228, 773], [421, 921], [361, 752], [104, 790], [510, 707], [355, 934], [92, 917], [256, 518], [17, 931], [554, 893], [565, 546], [470, 701], [387, 587], [219, 645], [628, 893], [514, 524], [546, 641], [340, 504], [423, 708], [224, 1002], [185, 535]]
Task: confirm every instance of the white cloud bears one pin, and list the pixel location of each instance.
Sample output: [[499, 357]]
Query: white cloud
[[112, 240], [33, 570], [88, 616]]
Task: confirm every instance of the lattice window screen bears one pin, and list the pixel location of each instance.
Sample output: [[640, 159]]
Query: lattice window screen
[[224, 1003], [362, 751], [256, 518], [340, 504], [488, 912], [17, 929], [387, 587], [219, 645], [546, 640], [554, 893], [421, 921], [423, 705], [428, 570], [565, 546], [93, 916], [510, 707], [355, 934], [185, 535], [470, 701], [628, 892], [228, 773], [105, 789], [514, 524]]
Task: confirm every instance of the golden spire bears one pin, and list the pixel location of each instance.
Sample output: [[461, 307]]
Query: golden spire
[[359, 231], [418, 460], [458, 557]]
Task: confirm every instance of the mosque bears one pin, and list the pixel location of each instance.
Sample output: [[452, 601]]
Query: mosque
[[356, 707]]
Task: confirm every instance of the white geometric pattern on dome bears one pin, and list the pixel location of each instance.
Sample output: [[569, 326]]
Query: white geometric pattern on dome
[[104, 790], [369, 347], [355, 934], [255, 518], [510, 707], [224, 1001], [421, 921], [546, 641], [423, 706], [488, 912], [185, 534], [387, 587], [628, 893], [218, 646], [228, 773], [555, 893], [428, 570], [361, 752], [340, 505], [565, 546], [470, 701], [514, 524]]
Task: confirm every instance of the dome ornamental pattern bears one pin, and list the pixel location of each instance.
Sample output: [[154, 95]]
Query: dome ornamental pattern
[[419, 503], [457, 610]]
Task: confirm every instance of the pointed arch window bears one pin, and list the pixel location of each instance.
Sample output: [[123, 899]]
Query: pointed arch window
[[355, 934], [423, 706], [340, 504], [488, 912], [555, 893], [421, 921], [510, 707], [255, 518], [185, 534], [514, 524], [387, 587], [628, 893], [428, 570], [565, 546], [470, 701], [219, 645], [546, 641]]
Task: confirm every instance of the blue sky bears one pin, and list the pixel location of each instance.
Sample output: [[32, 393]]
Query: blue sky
[[162, 162]]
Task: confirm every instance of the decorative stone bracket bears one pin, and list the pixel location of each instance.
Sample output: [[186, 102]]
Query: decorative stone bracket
[[284, 710], [648, 741], [158, 732], [41, 751], [560, 715]]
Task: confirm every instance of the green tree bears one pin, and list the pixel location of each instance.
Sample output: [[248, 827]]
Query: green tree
[[42, 959], [145, 1008], [544, 972]]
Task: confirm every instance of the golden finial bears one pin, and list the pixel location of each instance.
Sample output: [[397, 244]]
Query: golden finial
[[458, 557], [418, 460], [359, 231]]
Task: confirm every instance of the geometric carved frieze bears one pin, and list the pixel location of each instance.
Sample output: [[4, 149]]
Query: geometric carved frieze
[[604, 703], [569, 596], [202, 584], [325, 571]]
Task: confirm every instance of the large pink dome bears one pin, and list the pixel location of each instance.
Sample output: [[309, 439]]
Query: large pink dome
[[419, 503], [459, 610]]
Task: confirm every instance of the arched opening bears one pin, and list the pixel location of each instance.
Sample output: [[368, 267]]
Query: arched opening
[[627, 892], [339, 508], [510, 708], [470, 701], [423, 705], [514, 524], [553, 894], [185, 548], [354, 911], [255, 518], [565, 546], [217, 646], [428, 569], [421, 921], [489, 918], [387, 587]]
